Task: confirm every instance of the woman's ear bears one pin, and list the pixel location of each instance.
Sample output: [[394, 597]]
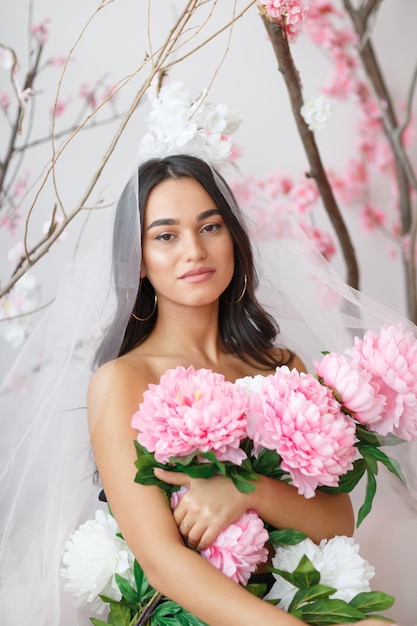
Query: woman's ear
[[142, 271]]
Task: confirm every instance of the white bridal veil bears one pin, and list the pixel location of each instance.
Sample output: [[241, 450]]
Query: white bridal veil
[[47, 472]]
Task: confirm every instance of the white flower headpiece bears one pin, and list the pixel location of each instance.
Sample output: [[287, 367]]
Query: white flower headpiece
[[177, 124]]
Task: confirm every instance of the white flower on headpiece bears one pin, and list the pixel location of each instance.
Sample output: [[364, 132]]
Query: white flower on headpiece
[[177, 124], [316, 112]]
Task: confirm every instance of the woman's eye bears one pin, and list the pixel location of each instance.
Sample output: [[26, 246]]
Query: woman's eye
[[164, 237], [210, 228]]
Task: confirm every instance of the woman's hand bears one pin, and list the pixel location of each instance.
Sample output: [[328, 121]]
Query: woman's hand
[[207, 508]]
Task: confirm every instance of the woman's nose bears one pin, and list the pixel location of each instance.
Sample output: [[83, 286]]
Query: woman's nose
[[194, 248]]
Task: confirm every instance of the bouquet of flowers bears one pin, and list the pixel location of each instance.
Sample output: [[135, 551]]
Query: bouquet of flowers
[[323, 431]]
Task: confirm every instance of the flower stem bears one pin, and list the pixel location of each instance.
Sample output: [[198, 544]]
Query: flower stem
[[149, 609]]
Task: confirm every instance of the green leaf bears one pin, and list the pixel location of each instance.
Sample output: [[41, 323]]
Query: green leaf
[[98, 622], [315, 592], [326, 612], [126, 589], [256, 589], [348, 481], [140, 580], [267, 463], [286, 537], [171, 614], [375, 440], [120, 614], [391, 464], [372, 601], [243, 480], [370, 458], [199, 470], [183, 460], [367, 437], [369, 496], [305, 574], [140, 450]]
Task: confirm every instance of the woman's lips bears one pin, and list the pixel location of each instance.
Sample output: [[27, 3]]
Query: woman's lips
[[198, 275]]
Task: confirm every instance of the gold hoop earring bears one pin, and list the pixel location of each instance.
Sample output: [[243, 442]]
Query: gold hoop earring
[[245, 284], [145, 319]]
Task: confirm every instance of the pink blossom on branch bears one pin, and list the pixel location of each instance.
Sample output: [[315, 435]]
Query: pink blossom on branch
[[290, 13], [40, 31], [304, 195], [371, 218], [323, 241], [4, 100]]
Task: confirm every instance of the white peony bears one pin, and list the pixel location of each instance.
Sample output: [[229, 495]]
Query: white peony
[[316, 112], [337, 560], [94, 554], [251, 384]]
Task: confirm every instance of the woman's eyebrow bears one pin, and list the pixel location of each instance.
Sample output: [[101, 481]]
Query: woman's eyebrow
[[205, 214], [168, 221], [163, 221]]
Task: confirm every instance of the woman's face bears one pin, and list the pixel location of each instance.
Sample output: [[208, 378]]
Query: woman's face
[[187, 250]]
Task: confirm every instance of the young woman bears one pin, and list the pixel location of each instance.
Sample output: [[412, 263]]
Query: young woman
[[195, 305]]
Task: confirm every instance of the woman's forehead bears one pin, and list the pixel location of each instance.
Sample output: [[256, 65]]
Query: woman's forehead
[[173, 198]]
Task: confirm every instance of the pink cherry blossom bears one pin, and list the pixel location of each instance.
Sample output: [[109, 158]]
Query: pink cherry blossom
[[371, 218], [352, 386], [239, 548], [4, 100], [390, 357], [322, 240], [299, 418], [192, 411], [288, 12], [40, 31], [89, 94], [58, 61], [304, 195]]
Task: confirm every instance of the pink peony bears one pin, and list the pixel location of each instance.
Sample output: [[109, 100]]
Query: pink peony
[[299, 418], [192, 411], [238, 550], [390, 357], [352, 387]]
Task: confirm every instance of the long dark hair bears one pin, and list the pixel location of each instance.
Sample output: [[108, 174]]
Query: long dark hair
[[246, 329]]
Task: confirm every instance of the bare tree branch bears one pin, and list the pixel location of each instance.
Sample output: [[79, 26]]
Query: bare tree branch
[[405, 176], [290, 74]]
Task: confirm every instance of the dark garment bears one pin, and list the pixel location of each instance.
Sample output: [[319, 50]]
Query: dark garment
[[266, 577]]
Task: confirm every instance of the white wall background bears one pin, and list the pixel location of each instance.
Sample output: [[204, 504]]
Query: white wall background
[[248, 79]]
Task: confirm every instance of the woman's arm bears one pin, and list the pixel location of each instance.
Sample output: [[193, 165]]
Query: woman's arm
[[145, 518], [147, 523], [210, 505]]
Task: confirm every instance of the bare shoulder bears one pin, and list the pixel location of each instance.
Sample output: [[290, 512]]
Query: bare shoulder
[[297, 364], [118, 384]]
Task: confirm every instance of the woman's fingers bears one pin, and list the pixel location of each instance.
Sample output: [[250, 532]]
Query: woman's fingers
[[172, 478], [197, 535]]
